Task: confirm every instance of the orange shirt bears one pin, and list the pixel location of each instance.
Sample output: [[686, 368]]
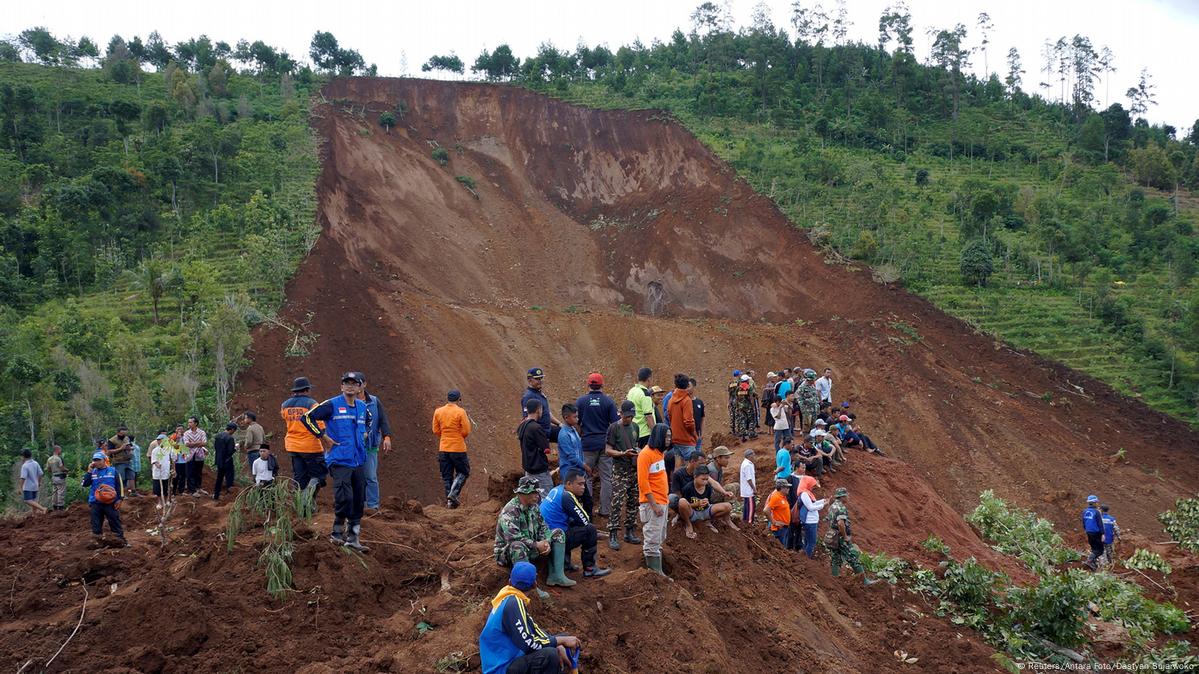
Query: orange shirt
[[452, 425], [779, 509], [298, 438], [651, 476]]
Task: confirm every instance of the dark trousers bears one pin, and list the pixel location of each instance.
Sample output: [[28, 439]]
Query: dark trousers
[[1096, 542], [783, 534], [179, 485], [224, 477], [195, 472], [584, 537], [795, 539], [542, 661], [453, 465], [251, 457], [668, 457], [309, 466], [349, 492], [809, 538], [161, 487], [106, 511]]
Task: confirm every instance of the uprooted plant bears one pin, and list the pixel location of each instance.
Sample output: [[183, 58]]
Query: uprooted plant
[[280, 506], [1182, 523]]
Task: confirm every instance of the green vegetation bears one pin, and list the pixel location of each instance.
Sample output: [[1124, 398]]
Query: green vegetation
[[1020, 533], [441, 155], [148, 219], [280, 507], [1182, 523], [1038, 217], [1143, 560]]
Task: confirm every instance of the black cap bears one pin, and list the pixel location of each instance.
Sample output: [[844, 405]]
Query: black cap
[[454, 395], [231, 426], [352, 376], [701, 470], [300, 384], [628, 409]]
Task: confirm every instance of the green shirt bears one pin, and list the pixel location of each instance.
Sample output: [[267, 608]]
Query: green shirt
[[643, 402]]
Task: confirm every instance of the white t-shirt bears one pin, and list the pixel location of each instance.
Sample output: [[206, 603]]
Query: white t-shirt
[[748, 478], [160, 461], [779, 412], [813, 514], [262, 470], [825, 386]]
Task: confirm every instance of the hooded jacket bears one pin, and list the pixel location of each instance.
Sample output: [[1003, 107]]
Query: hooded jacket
[[510, 632], [682, 418]]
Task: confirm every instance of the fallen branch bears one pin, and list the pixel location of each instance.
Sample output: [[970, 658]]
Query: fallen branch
[[82, 612], [1073, 655], [459, 546], [398, 545], [1173, 593]]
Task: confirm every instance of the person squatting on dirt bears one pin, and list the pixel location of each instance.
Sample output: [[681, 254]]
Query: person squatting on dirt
[[1092, 525], [344, 437], [843, 550], [105, 493], [451, 424], [512, 643], [307, 454], [621, 448], [653, 495], [1111, 533], [562, 511], [521, 534]]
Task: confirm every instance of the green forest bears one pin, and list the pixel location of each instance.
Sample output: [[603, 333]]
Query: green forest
[[155, 198]]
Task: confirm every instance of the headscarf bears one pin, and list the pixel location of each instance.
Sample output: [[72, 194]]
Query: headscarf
[[805, 485], [657, 437]]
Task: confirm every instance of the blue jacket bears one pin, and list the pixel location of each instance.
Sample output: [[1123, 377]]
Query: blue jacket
[[379, 427], [570, 451], [1092, 522], [1109, 528], [545, 421], [562, 510], [597, 411], [95, 477], [346, 424], [510, 632]]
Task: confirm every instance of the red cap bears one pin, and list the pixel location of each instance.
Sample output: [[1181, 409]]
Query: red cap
[[843, 418], [595, 379]]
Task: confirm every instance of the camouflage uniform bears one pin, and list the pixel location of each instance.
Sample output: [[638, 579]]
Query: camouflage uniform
[[809, 402], [843, 552], [741, 411], [624, 493], [518, 531], [733, 408]]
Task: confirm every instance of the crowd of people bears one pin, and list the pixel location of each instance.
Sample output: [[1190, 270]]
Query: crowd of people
[[648, 457]]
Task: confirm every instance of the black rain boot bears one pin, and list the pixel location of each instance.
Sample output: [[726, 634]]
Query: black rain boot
[[613, 541], [339, 533], [630, 537]]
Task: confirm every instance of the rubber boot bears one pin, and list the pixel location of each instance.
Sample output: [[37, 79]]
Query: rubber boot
[[455, 490], [630, 537], [338, 536], [541, 594], [613, 541], [352, 538], [868, 581], [654, 563], [557, 561], [596, 572]]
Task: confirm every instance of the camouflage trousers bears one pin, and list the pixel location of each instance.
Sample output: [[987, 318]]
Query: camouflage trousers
[[742, 422], [844, 552], [624, 495], [524, 550], [808, 413]]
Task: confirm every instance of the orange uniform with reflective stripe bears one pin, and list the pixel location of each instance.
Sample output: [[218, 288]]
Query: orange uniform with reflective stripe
[[298, 438]]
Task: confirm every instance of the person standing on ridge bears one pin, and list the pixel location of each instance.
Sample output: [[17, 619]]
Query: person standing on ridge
[[642, 399], [344, 436], [809, 401], [1092, 525], [105, 491], [1111, 533], [58, 479], [824, 385], [196, 441], [768, 396], [307, 455], [570, 450], [653, 494], [699, 411], [549, 423], [224, 447], [621, 447], [31, 480], [451, 424], [251, 441], [535, 447], [597, 413], [748, 486], [378, 437], [682, 412]]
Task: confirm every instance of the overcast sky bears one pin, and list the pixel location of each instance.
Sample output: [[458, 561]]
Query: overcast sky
[[399, 36]]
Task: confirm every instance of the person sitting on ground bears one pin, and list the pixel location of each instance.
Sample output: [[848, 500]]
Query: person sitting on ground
[[1111, 533], [511, 642], [105, 491], [696, 505], [264, 474], [520, 532], [778, 511], [851, 437], [562, 511], [720, 461], [680, 478], [810, 457]]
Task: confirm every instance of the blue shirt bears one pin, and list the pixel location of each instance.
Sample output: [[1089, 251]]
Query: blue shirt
[[597, 411], [1092, 523], [782, 459], [783, 389], [561, 510], [1109, 528], [533, 394], [666, 406], [570, 451], [509, 633]]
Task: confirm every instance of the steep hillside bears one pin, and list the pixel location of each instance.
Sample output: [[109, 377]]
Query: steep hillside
[[613, 240]]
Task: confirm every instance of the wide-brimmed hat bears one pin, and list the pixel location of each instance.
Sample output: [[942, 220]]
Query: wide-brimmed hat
[[527, 485], [722, 451], [300, 384]]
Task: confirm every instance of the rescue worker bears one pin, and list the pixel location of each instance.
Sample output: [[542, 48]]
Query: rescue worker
[[511, 642], [104, 494], [344, 438], [1111, 533], [843, 550], [451, 424], [549, 423], [809, 399], [1092, 525], [621, 446], [307, 456], [742, 395], [562, 511], [520, 532]]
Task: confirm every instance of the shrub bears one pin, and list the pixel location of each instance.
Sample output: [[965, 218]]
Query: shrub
[[466, 180], [441, 156], [976, 264], [884, 566], [1020, 533], [1182, 523], [1054, 609], [387, 120], [1144, 559]]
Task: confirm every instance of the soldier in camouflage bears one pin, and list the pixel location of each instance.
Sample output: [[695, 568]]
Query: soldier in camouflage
[[809, 399], [843, 551], [741, 407], [622, 445], [520, 534]]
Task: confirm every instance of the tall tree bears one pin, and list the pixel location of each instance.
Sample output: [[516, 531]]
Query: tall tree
[[1083, 64], [1014, 71], [449, 63], [841, 23], [710, 18], [1047, 57], [1107, 65], [984, 30], [1141, 96], [950, 54], [324, 50], [811, 25]]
